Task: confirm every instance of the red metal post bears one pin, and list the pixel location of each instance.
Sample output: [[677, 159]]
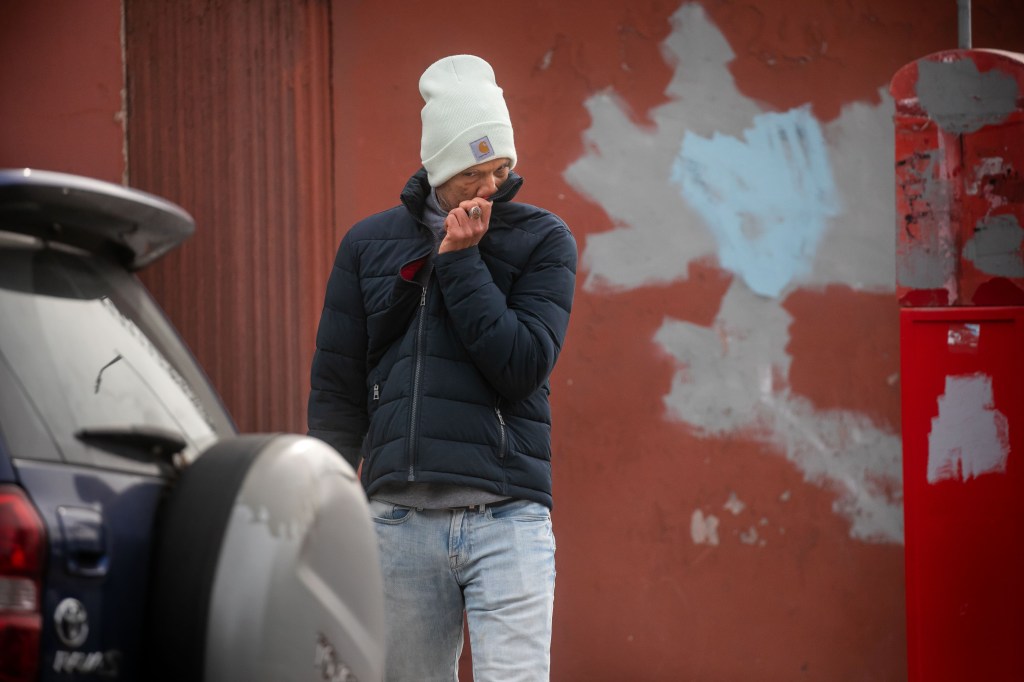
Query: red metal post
[[960, 281]]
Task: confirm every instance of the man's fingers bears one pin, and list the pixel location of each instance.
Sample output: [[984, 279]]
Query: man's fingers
[[465, 226]]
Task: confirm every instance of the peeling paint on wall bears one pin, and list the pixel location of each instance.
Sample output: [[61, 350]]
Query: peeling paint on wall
[[763, 193], [969, 437]]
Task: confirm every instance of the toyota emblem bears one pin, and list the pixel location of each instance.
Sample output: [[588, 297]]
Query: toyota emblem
[[72, 622]]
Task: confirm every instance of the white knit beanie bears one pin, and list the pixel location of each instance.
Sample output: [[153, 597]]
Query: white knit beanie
[[465, 120]]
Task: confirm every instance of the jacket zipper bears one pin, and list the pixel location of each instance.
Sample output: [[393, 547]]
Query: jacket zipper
[[501, 428], [417, 374]]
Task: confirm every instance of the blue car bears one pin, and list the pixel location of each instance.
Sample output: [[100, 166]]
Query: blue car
[[141, 537]]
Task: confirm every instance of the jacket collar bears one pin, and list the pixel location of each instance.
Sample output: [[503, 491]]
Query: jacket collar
[[415, 193]]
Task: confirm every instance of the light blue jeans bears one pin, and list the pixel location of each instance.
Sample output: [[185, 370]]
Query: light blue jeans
[[496, 565]]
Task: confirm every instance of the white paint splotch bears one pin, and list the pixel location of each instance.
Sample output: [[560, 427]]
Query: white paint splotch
[[969, 437], [703, 529], [734, 504], [781, 201]]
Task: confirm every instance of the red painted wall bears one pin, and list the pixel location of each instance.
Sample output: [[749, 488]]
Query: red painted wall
[[61, 82]]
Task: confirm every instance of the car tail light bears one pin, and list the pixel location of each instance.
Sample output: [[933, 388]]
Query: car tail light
[[22, 545]]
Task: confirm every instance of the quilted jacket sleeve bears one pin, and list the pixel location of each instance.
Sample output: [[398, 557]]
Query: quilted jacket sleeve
[[337, 399], [514, 341]]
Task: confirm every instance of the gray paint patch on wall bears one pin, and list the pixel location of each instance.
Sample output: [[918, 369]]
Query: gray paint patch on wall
[[857, 248], [995, 248], [960, 99], [731, 379], [969, 437], [931, 264]]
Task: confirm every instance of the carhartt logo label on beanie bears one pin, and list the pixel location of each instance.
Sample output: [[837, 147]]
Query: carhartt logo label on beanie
[[481, 149], [465, 119]]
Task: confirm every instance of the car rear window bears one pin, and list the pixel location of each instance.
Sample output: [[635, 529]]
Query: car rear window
[[89, 349]]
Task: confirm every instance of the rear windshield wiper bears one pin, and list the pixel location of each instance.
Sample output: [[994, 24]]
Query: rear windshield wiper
[[140, 443]]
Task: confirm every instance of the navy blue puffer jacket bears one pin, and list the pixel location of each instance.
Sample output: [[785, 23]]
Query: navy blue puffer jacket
[[434, 368]]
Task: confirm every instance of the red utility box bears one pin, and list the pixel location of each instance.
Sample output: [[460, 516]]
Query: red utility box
[[960, 281]]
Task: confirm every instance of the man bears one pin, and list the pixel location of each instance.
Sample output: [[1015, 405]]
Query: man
[[442, 322]]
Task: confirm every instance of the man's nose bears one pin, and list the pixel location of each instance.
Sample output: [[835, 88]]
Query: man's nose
[[488, 187]]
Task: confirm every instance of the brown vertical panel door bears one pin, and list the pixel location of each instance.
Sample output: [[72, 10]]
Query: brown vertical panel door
[[229, 115]]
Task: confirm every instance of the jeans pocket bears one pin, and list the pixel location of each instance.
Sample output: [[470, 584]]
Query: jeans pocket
[[520, 510], [386, 512]]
